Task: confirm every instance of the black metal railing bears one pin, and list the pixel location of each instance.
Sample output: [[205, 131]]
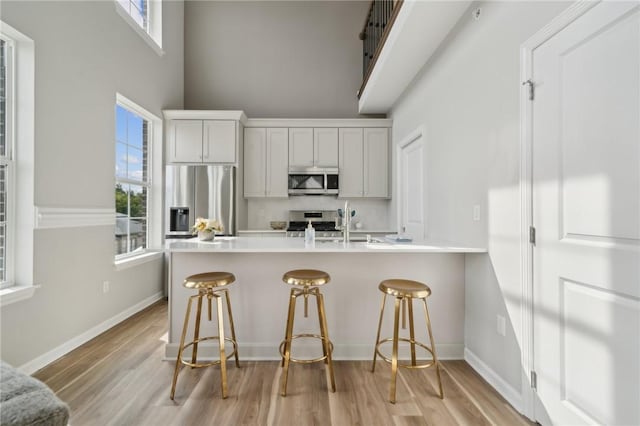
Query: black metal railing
[[380, 18]]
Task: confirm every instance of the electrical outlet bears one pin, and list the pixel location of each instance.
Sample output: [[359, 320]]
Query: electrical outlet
[[501, 325], [476, 212], [105, 286]]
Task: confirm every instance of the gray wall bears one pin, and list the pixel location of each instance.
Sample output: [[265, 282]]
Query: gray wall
[[85, 53], [274, 59], [467, 97]]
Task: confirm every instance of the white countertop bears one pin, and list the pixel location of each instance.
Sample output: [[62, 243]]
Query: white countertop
[[296, 245]]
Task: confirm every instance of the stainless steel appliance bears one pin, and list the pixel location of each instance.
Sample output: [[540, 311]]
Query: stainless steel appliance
[[199, 191], [323, 221], [313, 181]]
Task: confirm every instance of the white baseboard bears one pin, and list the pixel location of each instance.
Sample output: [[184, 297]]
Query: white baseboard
[[269, 352], [47, 358], [507, 391]]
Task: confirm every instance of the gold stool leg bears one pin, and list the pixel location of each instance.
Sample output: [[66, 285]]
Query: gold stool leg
[[287, 341], [233, 330], [223, 356], [324, 332], [412, 333], [196, 331], [181, 347], [433, 347], [375, 348], [394, 354]]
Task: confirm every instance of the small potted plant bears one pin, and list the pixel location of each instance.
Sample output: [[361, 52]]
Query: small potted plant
[[206, 228]]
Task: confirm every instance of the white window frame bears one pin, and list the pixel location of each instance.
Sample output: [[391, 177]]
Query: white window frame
[[152, 35], [21, 120], [154, 189]]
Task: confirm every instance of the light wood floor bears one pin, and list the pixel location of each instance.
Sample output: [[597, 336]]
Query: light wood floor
[[119, 378]]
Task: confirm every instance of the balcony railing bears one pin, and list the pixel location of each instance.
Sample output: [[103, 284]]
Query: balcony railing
[[380, 18]]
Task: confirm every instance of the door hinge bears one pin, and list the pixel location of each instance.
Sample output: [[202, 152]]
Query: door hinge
[[531, 88], [532, 235], [534, 380]]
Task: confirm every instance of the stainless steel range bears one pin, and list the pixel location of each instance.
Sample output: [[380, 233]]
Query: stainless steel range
[[323, 221]]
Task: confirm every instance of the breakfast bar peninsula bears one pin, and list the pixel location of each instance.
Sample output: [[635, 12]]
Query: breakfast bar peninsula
[[352, 299]]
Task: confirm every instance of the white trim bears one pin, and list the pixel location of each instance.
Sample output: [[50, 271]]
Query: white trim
[[15, 294], [72, 217], [190, 114], [319, 122], [251, 351], [131, 261], [47, 358], [526, 193], [508, 392], [148, 38]]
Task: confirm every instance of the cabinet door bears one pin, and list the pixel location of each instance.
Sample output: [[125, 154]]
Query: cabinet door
[[219, 144], [277, 175], [185, 141], [254, 162], [351, 156], [325, 144], [376, 162], [300, 147]]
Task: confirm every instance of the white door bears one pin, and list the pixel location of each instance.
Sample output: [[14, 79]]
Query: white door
[[219, 144], [277, 165], [411, 178], [185, 141], [586, 212], [255, 162], [376, 163], [325, 145], [350, 160], [300, 147]]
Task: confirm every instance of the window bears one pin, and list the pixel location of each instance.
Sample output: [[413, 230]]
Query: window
[[145, 17], [17, 211], [132, 182], [6, 161]]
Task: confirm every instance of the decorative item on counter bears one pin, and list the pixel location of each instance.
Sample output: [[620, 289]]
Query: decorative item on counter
[[206, 228], [277, 224], [309, 236]]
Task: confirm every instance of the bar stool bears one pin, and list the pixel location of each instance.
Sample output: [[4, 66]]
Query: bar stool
[[307, 282], [404, 291], [212, 285]]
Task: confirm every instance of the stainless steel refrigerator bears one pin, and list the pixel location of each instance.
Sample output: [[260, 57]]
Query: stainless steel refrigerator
[[199, 191]]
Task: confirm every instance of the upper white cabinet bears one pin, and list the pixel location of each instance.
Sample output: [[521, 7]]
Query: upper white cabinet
[[313, 147], [203, 136], [201, 141], [364, 162], [265, 162]]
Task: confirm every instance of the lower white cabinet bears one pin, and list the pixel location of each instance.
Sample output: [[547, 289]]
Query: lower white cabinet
[[266, 162], [364, 162]]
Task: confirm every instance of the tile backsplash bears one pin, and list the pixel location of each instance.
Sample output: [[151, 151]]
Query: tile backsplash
[[373, 214]]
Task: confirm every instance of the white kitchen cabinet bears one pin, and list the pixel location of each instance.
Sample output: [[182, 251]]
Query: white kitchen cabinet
[[265, 162], [364, 162], [201, 141], [313, 147]]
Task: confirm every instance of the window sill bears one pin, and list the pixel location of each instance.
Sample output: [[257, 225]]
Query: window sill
[[132, 261], [139, 30], [16, 293]]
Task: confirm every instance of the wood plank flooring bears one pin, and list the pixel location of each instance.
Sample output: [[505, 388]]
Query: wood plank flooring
[[119, 378]]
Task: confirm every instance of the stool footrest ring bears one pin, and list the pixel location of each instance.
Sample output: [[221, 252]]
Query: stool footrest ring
[[426, 364], [305, 361], [216, 362]]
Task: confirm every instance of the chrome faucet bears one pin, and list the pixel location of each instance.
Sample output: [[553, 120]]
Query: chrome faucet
[[345, 216]]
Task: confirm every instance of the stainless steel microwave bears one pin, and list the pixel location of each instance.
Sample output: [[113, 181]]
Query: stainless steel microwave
[[313, 181]]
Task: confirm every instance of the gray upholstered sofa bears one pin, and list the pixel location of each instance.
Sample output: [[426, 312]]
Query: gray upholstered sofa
[[27, 401]]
